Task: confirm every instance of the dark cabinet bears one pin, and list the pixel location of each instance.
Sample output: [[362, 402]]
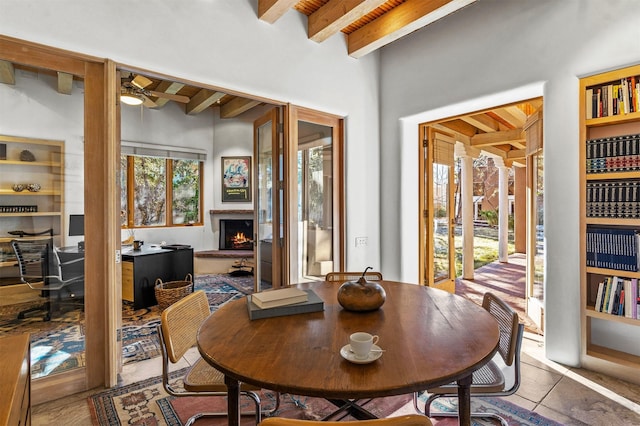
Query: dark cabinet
[[141, 269]]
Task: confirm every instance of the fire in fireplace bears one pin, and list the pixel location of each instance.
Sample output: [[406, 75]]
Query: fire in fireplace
[[236, 234]]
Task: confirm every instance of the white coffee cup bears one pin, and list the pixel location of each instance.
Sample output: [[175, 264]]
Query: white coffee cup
[[361, 344]]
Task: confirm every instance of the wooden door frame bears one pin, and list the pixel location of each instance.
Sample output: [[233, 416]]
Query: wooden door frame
[[295, 114], [274, 116], [102, 238], [426, 230]]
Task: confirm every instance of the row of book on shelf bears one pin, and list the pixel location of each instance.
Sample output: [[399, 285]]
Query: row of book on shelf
[[613, 198], [613, 248], [615, 98], [613, 154], [619, 296]]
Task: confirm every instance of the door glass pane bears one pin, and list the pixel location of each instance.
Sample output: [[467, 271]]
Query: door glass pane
[[315, 201], [538, 275], [264, 204], [441, 222], [45, 222]]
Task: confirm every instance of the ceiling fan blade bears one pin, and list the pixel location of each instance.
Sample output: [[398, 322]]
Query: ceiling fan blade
[[171, 96], [141, 81], [148, 102]]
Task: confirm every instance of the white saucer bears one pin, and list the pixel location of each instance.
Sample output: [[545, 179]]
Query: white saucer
[[346, 353]]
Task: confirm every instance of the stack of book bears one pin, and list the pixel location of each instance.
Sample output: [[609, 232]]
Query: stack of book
[[618, 296], [613, 154], [613, 198], [283, 301], [613, 248]]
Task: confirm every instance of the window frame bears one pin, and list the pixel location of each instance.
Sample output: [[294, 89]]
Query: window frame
[[130, 188]]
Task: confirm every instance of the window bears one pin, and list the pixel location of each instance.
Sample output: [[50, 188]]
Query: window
[[158, 189]]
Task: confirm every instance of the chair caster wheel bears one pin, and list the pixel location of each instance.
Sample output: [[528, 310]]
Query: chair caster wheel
[[47, 317]]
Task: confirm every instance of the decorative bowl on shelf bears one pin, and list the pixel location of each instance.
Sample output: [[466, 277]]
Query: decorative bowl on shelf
[[18, 187], [27, 155], [33, 187]]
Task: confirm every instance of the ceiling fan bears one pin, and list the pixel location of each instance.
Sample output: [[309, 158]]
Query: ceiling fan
[[133, 91]]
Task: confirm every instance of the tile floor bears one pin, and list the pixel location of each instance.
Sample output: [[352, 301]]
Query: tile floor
[[570, 396]]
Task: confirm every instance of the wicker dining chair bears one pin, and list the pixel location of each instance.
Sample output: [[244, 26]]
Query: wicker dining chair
[[177, 334], [406, 420], [352, 276], [500, 376]]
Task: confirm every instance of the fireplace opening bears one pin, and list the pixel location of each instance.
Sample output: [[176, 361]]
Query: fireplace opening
[[236, 234]]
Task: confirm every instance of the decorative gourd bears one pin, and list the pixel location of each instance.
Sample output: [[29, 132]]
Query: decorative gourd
[[361, 295]]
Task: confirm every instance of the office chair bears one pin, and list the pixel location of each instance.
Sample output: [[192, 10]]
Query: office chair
[[177, 333], [40, 268], [406, 420], [500, 376]]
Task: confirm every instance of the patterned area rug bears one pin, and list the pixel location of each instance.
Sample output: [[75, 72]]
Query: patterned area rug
[[139, 331], [512, 413], [146, 403], [58, 345]]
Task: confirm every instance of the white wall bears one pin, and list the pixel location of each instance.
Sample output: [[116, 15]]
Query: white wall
[[33, 108], [222, 43], [513, 49]]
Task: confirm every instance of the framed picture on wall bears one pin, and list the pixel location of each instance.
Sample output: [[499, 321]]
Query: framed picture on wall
[[236, 179]]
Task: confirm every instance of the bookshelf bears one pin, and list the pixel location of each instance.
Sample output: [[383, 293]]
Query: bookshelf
[[610, 221], [29, 161]]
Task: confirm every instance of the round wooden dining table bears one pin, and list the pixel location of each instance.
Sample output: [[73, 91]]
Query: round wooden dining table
[[429, 337]]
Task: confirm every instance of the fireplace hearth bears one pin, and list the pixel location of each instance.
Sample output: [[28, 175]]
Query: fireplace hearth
[[236, 234]]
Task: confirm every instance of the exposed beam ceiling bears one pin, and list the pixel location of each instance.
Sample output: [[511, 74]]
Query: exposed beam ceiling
[[367, 24], [497, 132]]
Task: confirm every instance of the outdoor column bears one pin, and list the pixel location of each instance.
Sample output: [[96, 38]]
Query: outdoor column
[[503, 211], [466, 200]]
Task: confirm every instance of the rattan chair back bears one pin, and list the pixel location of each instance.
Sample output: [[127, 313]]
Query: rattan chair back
[[180, 323], [507, 321], [352, 276]]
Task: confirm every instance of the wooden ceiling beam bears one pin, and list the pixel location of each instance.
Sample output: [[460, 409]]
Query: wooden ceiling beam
[[237, 106], [336, 15], [512, 115], [7, 73], [202, 100], [271, 10], [517, 154], [398, 22], [498, 138], [166, 86], [460, 126], [496, 152], [482, 122], [65, 83]]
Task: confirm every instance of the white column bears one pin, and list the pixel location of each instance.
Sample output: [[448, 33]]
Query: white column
[[503, 212], [467, 217], [466, 198]]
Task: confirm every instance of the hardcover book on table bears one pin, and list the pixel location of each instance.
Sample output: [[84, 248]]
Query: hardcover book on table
[[279, 297], [313, 304]]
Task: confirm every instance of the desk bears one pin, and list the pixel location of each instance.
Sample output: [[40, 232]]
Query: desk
[[141, 269], [430, 337]]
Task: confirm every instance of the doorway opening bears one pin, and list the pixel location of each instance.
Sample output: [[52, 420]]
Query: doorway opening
[[482, 206]]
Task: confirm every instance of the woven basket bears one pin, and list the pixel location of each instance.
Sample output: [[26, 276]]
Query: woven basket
[[170, 292]]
